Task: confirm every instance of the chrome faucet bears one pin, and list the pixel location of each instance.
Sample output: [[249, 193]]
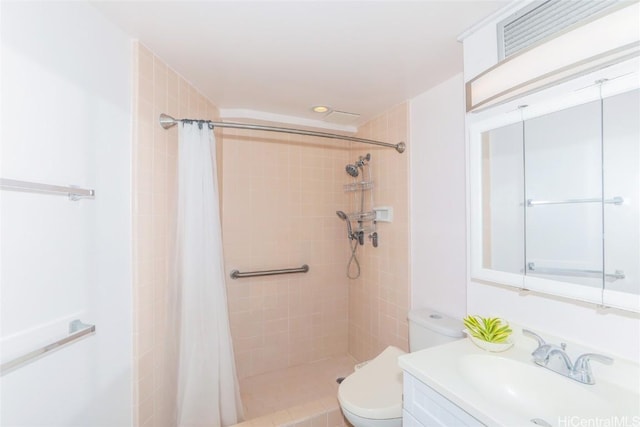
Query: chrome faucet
[[555, 358]]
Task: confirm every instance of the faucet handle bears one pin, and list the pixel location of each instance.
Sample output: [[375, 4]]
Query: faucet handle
[[532, 334], [542, 352], [582, 362], [582, 367]]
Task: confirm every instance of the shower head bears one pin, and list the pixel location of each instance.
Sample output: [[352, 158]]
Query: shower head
[[352, 170], [343, 216]]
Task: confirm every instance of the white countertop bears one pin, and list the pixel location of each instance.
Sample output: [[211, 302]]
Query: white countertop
[[441, 368]]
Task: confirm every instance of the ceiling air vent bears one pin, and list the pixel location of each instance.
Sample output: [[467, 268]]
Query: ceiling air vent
[[341, 117], [543, 19]]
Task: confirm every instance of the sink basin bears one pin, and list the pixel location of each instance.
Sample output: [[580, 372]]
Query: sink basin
[[508, 390], [529, 392]]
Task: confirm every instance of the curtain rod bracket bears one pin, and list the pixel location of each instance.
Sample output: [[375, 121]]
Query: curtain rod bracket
[[166, 121]]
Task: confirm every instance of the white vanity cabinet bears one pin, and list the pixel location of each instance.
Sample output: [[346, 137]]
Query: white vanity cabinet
[[425, 407]]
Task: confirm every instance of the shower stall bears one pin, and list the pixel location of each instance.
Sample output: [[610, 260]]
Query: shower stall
[[279, 194]]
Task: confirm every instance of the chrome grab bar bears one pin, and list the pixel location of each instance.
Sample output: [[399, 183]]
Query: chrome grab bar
[[615, 201], [73, 193], [235, 274], [77, 330], [531, 266]]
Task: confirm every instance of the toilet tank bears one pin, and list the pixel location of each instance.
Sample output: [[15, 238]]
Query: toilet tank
[[428, 328]]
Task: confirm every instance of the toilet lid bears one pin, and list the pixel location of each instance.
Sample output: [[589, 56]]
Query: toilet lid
[[375, 390]]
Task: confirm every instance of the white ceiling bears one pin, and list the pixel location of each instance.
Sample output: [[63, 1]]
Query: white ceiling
[[283, 57]]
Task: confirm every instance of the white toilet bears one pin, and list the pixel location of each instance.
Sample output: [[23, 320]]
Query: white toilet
[[372, 395]]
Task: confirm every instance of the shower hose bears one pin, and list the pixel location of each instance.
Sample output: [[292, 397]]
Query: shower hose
[[353, 244]]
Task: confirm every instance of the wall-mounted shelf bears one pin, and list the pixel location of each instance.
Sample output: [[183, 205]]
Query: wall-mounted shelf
[[362, 216], [616, 275], [359, 186]]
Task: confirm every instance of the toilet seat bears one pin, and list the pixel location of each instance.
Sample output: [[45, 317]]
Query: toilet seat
[[375, 390]]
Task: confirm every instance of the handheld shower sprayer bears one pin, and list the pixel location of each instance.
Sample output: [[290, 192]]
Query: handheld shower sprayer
[[352, 245], [343, 216]]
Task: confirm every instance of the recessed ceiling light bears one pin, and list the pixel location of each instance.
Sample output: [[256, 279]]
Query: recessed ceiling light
[[320, 108]]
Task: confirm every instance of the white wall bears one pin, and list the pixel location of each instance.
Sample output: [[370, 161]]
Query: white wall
[[610, 331], [481, 40], [438, 221], [66, 112]]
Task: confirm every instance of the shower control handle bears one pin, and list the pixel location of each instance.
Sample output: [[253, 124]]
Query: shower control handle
[[374, 239]]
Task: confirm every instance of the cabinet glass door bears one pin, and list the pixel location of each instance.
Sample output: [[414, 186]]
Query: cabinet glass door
[[621, 154], [503, 199], [563, 198]]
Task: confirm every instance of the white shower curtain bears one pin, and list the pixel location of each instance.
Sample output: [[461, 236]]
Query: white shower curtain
[[208, 392]]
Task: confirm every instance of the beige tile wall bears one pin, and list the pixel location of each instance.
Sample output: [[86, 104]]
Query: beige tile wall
[[379, 299], [280, 196], [158, 89]]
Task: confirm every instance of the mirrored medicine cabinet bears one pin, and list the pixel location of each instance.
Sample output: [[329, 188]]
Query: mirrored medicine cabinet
[[555, 199]]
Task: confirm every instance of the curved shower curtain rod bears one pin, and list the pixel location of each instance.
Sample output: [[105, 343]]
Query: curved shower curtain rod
[[167, 121]]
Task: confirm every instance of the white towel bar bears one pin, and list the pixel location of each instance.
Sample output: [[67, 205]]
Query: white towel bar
[[34, 187], [77, 330]]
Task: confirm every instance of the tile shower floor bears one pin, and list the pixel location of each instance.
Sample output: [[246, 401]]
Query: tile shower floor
[[275, 391]]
